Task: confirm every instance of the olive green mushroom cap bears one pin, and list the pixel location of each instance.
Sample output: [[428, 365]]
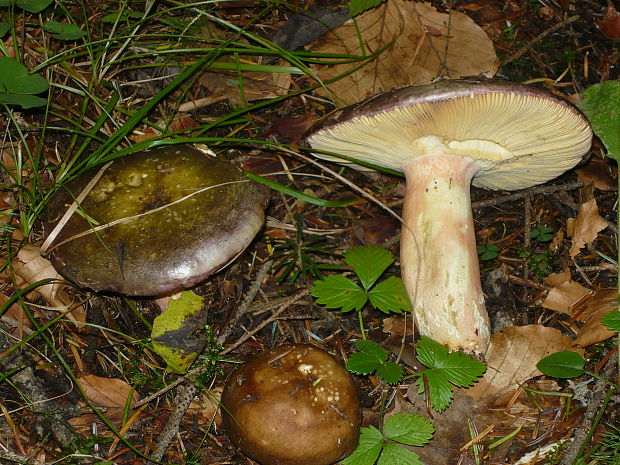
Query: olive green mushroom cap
[[520, 136], [180, 215]]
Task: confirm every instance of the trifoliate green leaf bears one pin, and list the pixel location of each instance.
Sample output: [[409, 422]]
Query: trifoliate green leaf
[[565, 364], [15, 78], [359, 6], [337, 291], [390, 296], [390, 372], [368, 263], [459, 368], [430, 352], [63, 31], [440, 389], [600, 104], [368, 449], [32, 6], [393, 454], [409, 429], [369, 358], [612, 320]]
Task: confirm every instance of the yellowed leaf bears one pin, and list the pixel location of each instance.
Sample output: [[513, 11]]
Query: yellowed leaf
[[584, 229], [427, 45], [565, 292], [107, 392], [513, 355], [593, 331]]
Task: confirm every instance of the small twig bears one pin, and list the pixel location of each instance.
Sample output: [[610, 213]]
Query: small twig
[[250, 295], [523, 50], [18, 458], [527, 193]]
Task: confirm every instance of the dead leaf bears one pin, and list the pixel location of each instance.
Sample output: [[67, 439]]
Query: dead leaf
[[32, 267], [427, 45], [610, 24], [565, 292], [593, 331], [107, 392], [599, 171], [585, 228], [206, 406], [513, 355], [397, 327]]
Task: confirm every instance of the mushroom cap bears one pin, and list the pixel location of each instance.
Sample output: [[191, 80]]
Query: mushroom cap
[[520, 136], [170, 246], [292, 405]]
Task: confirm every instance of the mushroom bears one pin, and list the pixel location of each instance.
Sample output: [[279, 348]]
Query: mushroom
[[444, 136], [155, 222], [292, 405]]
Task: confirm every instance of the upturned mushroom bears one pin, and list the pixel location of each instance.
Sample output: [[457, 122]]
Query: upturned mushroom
[[155, 222], [445, 136], [292, 405]]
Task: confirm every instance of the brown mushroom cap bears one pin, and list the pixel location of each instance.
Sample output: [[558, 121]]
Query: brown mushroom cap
[[520, 136], [292, 405], [177, 230]]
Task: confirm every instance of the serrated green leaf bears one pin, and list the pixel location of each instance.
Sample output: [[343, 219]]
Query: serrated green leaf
[[612, 320], [390, 372], [32, 6], [64, 31], [461, 369], [601, 104], [4, 28], [409, 429], [393, 454], [429, 352], [24, 101], [368, 263], [363, 364], [564, 364], [337, 291], [359, 6], [390, 295], [440, 389], [368, 449], [14, 79], [373, 349]]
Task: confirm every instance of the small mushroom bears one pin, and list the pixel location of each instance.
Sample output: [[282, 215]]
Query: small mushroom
[[292, 405], [154, 223], [443, 137]]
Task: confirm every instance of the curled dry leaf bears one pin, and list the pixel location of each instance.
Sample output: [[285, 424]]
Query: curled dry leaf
[[107, 392], [585, 228], [593, 331], [513, 355], [32, 267], [565, 293], [427, 45], [610, 24]]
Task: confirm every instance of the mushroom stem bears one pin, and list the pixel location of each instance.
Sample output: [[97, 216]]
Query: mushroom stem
[[439, 263]]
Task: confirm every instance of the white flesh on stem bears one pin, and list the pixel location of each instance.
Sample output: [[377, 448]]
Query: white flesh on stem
[[438, 252]]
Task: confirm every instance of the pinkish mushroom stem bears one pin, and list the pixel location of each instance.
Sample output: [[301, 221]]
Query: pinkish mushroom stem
[[438, 252]]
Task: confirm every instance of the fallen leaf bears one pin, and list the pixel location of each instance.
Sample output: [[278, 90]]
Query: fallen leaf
[[565, 293], [32, 268], [427, 45], [593, 331], [585, 228], [610, 24], [206, 406], [107, 392], [599, 171], [512, 357], [397, 327]]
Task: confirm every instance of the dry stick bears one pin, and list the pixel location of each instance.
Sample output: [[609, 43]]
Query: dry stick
[[528, 193], [519, 53], [187, 392], [247, 301]]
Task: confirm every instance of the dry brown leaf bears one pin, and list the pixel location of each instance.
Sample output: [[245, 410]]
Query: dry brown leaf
[[593, 331], [107, 392], [32, 267], [513, 355], [565, 292], [584, 229], [206, 406], [428, 45]]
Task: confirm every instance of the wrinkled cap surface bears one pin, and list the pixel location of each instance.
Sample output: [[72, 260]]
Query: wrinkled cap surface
[[519, 135], [186, 215]]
